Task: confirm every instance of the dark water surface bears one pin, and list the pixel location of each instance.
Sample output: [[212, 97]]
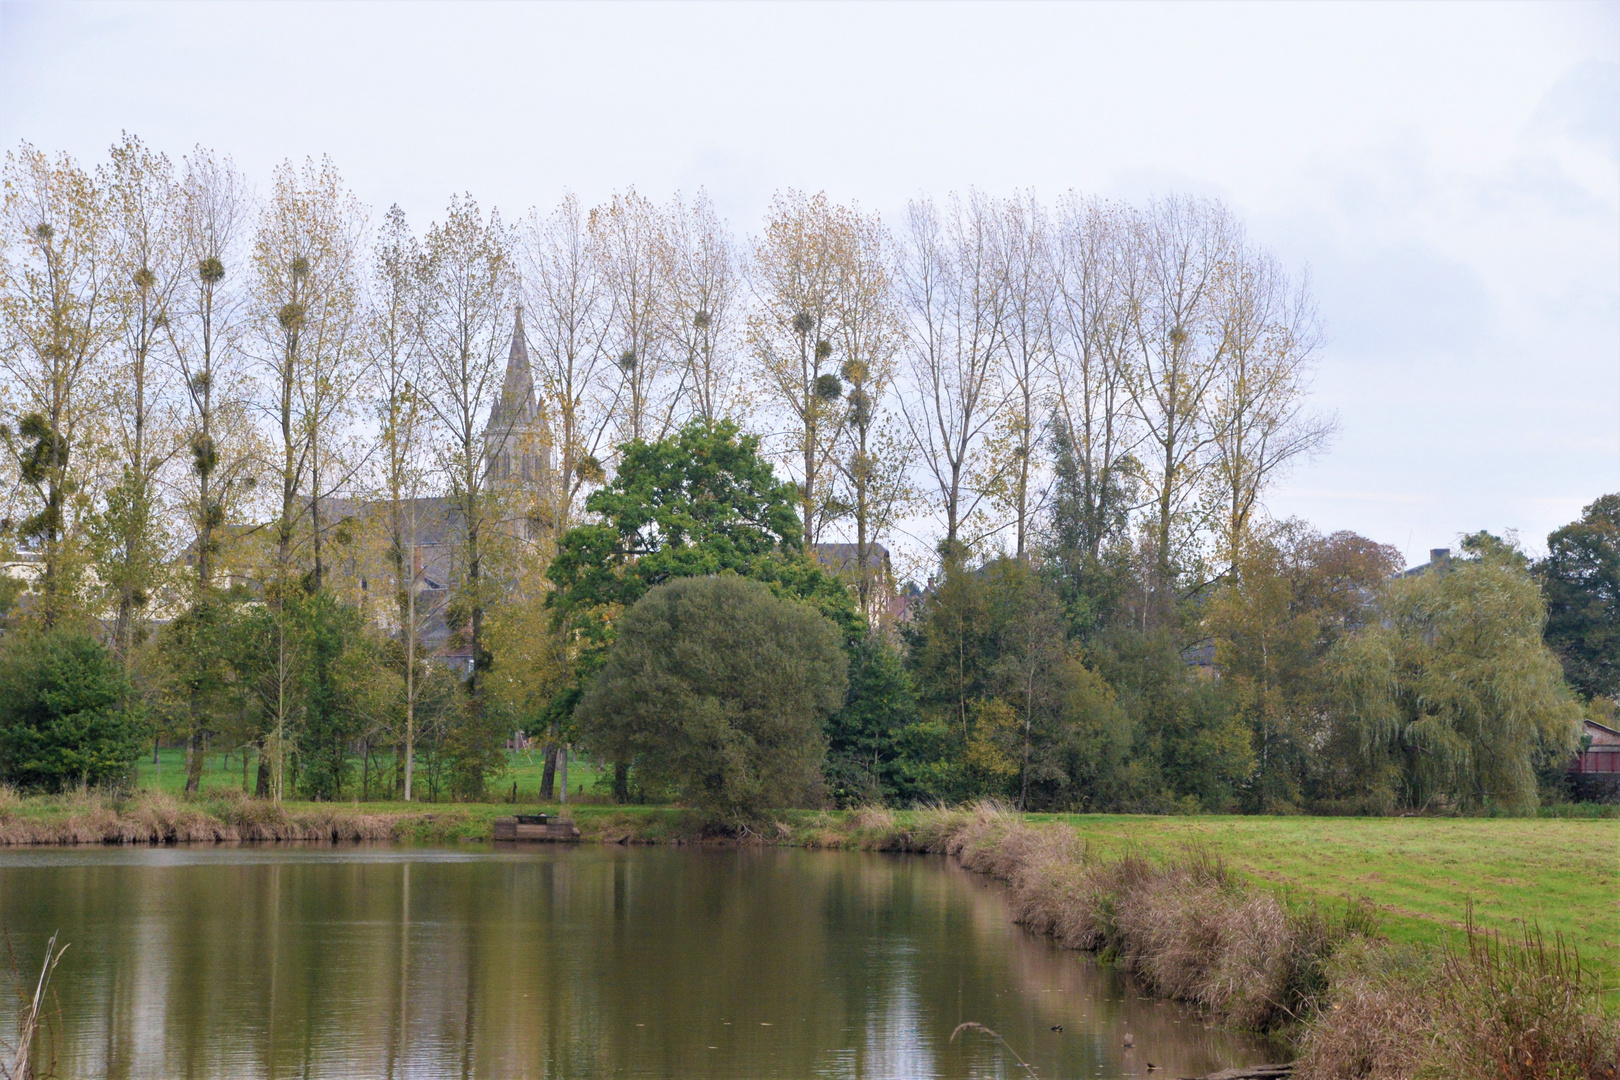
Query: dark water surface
[[585, 961]]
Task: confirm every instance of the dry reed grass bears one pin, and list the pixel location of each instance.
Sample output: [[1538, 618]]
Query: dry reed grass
[[160, 818], [1187, 929], [21, 1060], [1497, 1009], [876, 820]]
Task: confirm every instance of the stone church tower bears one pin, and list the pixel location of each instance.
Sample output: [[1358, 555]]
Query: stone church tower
[[517, 439]]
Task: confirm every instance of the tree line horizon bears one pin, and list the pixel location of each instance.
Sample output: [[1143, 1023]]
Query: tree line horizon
[[200, 379]]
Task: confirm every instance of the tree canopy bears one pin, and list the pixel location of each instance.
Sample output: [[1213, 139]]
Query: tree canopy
[[68, 715], [1581, 579], [717, 691], [701, 502], [1451, 694]]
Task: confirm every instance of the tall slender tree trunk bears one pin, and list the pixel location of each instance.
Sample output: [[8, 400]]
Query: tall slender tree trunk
[[261, 785], [315, 512], [410, 671], [194, 761], [548, 775], [204, 454]]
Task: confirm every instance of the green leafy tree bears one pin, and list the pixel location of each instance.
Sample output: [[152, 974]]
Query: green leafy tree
[[68, 715], [700, 502], [1086, 759], [337, 689], [864, 738], [1451, 694], [1191, 749], [198, 653], [1088, 527], [310, 681], [1007, 705], [1028, 671], [951, 650], [1290, 595], [718, 689], [1580, 578]]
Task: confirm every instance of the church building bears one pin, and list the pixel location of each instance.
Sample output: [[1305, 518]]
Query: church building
[[517, 465]]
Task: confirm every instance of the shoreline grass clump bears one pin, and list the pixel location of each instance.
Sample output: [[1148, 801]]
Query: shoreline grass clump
[[90, 817], [1511, 1008]]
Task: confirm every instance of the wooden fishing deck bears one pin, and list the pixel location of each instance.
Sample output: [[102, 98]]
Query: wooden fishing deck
[[541, 827]]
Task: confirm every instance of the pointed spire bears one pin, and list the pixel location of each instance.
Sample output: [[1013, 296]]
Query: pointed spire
[[516, 405]]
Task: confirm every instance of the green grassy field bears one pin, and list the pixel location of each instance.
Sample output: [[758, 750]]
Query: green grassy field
[[1560, 875], [223, 772]]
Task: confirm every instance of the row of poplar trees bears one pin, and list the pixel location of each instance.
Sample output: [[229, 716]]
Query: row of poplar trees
[[204, 381]]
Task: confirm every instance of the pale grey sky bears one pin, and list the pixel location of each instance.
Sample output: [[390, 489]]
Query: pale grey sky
[[1449, 173]]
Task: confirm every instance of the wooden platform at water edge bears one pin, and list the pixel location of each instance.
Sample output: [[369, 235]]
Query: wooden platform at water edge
[[541, 827]]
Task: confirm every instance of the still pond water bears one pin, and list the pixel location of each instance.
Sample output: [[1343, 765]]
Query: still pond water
[[571, 962]]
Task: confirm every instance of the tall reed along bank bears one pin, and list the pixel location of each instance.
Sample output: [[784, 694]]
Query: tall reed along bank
[[1321, 976]]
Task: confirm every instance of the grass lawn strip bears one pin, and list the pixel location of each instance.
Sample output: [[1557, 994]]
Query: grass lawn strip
[[223, 772]]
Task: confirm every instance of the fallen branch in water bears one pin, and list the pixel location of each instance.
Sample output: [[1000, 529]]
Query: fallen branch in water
[[974, 1025]]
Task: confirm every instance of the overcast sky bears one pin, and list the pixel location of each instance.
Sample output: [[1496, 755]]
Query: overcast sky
[[1448, 173]]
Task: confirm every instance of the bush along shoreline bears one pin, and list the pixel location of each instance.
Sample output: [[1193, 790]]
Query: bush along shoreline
[[1352, 1004]]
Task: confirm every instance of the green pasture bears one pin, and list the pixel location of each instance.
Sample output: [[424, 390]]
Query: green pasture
[[224, 772], [1558, 875]]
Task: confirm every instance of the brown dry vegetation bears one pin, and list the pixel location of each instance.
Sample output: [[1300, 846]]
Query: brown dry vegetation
[[155, 818], [1513, 1010], [1186, 929]]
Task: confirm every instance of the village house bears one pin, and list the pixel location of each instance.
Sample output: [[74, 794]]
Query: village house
[[1595, 771]]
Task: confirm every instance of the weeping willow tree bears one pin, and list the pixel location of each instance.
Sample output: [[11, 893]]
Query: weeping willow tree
[[1450, 695]]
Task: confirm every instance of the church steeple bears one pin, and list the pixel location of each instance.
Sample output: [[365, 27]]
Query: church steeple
[[516, 406], [516, 439]]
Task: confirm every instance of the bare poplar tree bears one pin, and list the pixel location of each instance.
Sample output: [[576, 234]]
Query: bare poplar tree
[[702, 308], [632, 257], [204, 312], [567, 308], [465, 304], [873, 465], [1025, 249], [798, 265], [59, 305], [1255, 410], [306, 255], [400, 412], [1093, 338], [145, 203], [1179, 351], [306, 299], [956, 304], [202, 317]]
